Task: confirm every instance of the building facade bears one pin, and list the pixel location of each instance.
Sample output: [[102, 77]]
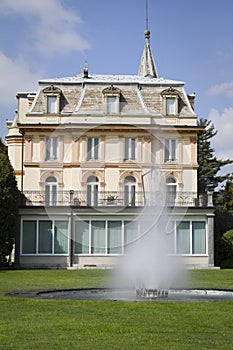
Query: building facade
[[93, 154]]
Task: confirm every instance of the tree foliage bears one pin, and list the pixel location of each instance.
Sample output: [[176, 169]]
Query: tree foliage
[[8, 204], [209, 165], [225, 197], [225, 249]]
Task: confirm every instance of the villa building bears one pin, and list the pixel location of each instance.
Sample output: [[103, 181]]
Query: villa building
[[90, 152]]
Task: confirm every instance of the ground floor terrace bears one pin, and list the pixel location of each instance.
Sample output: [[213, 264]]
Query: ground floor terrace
[[97, 237]]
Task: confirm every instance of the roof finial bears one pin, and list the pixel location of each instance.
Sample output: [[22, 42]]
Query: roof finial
[[147, 66], [147, 32]]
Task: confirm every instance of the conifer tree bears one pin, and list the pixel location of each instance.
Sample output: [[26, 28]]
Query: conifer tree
[[8, 205], [209, 165], [225, 197]]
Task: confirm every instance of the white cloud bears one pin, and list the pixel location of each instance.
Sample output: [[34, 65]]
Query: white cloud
[[15, 77], [52, 27], [223, 88], [223, 141]]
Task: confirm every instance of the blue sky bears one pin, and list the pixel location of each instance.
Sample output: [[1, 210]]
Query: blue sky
[[191, 41]]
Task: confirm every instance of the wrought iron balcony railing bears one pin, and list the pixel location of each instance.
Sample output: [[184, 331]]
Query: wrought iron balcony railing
[[114, 198]]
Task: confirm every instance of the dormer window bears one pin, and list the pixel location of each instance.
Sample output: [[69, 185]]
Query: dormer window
[[112, 100], [170, 101], [52, 95]]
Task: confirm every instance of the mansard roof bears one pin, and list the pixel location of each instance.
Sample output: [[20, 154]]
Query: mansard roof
[[117, 79]]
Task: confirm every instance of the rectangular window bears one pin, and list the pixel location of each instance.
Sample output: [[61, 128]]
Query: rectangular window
[[114, 237], [111, 105], [45, 237], [198, 237], [191, 237], [52, 104], [170, 106], [51, 148], [170, 150], [183, 238], [92, 148], [98, 237], [81, 237], [29, 237], [130, 149]]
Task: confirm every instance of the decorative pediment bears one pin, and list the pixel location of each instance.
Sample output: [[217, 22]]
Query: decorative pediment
[[170, 91], [52, 90], [111, 90]]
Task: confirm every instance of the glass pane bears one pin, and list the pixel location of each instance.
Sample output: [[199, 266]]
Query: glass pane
[[54, 195], [96, 148], [111, 104], [45, 237], [199, 237], [133, 147], [89, 147], [29, 237], [170, 106], [130, 233], [81, 237], [126, 151], [166, 151], [183, 238], [98, 237], [47, 148], [114, 237], [173, 150], [52, 104], [54, 148], [61, 237]]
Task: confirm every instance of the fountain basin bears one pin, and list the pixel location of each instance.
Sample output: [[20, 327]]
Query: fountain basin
[[129, 295]]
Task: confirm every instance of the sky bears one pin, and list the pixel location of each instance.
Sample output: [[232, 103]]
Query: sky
[[192, 41]]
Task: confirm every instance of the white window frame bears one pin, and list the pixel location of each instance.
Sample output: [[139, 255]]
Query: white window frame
[[171, 106], [52, 104], [51, 148], [37, 220], [92, 191], [170, 150], [93, 148], [111, 104], [190, 253], [130, 148], [106, 249]]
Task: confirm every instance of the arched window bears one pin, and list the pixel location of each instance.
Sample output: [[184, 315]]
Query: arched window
[[92, 190], [51, 191], [171, 191], [129, 190]]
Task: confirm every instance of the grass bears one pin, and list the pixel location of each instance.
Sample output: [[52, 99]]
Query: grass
[[44, 324]]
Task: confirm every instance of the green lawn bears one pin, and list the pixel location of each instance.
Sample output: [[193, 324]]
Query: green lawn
[[44, 324]]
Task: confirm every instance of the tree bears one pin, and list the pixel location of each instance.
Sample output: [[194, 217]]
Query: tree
[[8, 205], [209, 165], [225, 197], [225, 250]]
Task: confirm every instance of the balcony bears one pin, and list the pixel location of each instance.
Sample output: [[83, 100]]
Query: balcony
[[114, 198]]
